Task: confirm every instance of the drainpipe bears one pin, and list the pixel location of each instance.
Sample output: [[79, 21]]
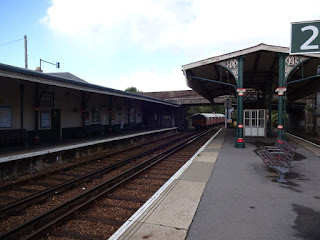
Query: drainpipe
[[21, 103]]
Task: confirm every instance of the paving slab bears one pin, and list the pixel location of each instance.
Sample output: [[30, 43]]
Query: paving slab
[[209, 157], [171, 212], [214, 145], [198, 171], [151, 231]]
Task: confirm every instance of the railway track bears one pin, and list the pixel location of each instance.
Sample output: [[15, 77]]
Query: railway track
[[74, 196], [13, 194]]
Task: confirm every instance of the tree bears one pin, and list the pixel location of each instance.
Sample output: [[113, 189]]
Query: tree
[[133, 90]]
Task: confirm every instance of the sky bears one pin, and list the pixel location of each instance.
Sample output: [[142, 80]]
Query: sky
[[142, 43]]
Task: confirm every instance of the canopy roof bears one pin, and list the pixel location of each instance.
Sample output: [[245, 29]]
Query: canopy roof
[[70, 81], [261, 70]]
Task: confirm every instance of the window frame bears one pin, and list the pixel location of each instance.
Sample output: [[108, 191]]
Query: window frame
[[95, 115], [8, 123], [42, 124]]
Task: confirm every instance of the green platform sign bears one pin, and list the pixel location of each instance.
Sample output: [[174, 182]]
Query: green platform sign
[[305, 37]]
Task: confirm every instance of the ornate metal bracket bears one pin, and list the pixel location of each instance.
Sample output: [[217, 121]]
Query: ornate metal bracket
[[241, 91], [281, 90], [291, 62], [232, 66]]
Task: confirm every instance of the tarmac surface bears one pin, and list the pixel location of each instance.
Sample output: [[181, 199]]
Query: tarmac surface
[[227, 193]]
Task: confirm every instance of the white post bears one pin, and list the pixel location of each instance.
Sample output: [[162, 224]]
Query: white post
[[225, 117], [25, 52]]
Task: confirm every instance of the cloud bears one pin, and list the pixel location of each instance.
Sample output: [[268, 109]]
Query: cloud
[[182, 24], [186, 30], [149, 81]]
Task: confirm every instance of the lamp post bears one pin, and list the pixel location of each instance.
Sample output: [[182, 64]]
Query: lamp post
[[57, 64]]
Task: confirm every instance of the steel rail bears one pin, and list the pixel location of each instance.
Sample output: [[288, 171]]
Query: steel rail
[[42, 223], [18, 205], [19, 183]]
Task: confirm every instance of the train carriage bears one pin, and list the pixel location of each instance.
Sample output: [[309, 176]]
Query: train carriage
[[202, 120]]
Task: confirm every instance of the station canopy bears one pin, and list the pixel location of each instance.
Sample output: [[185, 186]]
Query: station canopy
[[260, 72], [70, 81]]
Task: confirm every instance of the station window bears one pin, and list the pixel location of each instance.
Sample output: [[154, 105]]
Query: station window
[[86, 117], [5, 117], [113, 116], [95, 114], [133, 115], [45, 119]]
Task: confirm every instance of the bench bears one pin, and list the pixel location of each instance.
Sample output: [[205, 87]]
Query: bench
[[13, 136], [94, 130], [278, 157], [282, 147]]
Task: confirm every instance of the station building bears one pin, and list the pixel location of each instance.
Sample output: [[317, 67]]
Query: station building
[[53, 106]]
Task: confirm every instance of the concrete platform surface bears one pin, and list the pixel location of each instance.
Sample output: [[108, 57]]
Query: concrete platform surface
[[227, 193], [242, 201], [170, 214]]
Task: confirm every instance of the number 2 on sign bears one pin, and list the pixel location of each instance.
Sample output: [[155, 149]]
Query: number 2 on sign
[[315, 33]]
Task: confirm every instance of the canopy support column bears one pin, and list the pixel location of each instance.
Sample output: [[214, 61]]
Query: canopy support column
[[281, 89], [269, 126], [83, 107], [36, 111], [239, 141]]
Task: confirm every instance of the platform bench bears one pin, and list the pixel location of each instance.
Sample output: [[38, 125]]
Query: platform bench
[[287, 150], [278, 157], [94, 130], [13, 136]]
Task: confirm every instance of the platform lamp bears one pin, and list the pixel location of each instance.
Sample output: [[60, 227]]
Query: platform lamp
[[57, 64]]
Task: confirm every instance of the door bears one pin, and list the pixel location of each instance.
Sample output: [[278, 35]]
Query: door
[[254, 122], [55, 124]]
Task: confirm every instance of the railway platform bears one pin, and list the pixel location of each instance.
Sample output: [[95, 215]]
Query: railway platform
[[227, 193], [15, 159], [13, 152]]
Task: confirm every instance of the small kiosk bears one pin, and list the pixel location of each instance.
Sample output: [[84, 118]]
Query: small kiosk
[[255, 122]]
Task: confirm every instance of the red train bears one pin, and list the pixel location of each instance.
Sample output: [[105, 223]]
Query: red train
[[201, 120]]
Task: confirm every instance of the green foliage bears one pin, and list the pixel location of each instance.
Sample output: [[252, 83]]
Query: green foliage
[[133, 90], [274, 118]]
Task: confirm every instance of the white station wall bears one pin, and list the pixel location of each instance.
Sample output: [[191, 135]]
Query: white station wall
[[68, 101]]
